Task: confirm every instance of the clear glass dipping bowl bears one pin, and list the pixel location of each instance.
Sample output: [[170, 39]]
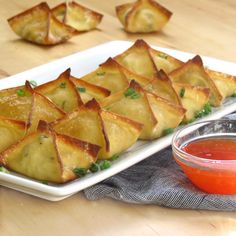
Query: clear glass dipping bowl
[[212, 176]]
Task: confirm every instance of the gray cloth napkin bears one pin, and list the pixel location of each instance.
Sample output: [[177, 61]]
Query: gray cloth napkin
[[159, 180]]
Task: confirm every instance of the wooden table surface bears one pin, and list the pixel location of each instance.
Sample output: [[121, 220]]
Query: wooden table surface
[[204, 27]]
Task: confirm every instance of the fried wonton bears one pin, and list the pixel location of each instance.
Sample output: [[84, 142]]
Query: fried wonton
[[168, 115], [47, 156], [138, 59], [143, 16], [155, 113], [143, 81], [225, 83], [193, 73], [108, 75], [122, 11], [90, 123], [164, 61], [162, 87], [42, 109], [113, 76], [193, 99], [62, 92], [15, 102], [38, 25], [10, 132], [89, 91], [77, 16]]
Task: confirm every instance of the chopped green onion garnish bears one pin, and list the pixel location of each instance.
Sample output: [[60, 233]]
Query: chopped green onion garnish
[[107, 108], [135, 96], [62, 85], [94, 168], [182, 92], [3, 169], [207, 108], [192, 120], [33, 83], [104, 164], [168, 131], [63, 104], [162, 55], [233, 95], [182, 123], [130, 92], [44, 182], [20, 92], [101, 73], [80, 172], [81, 89], [114, 157], [205, 111]]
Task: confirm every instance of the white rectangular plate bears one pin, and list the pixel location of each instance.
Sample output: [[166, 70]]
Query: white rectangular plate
[[81, 63]]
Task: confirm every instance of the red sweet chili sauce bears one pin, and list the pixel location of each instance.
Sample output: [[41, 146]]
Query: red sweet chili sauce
[[213, 148], [213, 179]]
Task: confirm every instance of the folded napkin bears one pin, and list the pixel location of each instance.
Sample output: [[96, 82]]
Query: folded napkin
[[159, 180]]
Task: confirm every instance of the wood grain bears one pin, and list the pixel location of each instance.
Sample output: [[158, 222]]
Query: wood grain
[[204, 27]]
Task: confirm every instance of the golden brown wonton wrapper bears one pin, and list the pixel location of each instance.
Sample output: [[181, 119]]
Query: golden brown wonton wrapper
[[88, 91], [108, 75], [145, 61], [193, 73], [138, 59], [38, 25], [77, 16], [47, 156], [61, 91], [143, 16], [193, 99], [25, 104], [225, 83], [164, 61], [155, 113], [10, 132], [90, 123], [162, 87], [42, 109], [15, 103], [113, 76]]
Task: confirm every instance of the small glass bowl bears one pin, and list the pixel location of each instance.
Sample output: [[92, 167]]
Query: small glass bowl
[[212, 176]]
